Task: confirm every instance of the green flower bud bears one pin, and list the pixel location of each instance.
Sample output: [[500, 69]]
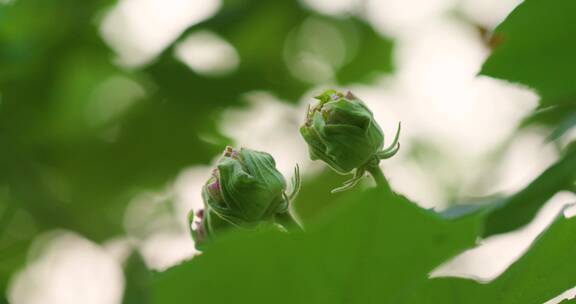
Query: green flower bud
[[341, 131], [244, 191], [208, 224]]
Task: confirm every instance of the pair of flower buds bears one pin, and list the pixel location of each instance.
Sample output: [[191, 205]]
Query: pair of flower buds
[[246, 191]]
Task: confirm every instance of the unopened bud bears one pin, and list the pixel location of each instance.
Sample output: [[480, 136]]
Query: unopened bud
[[341, 131]]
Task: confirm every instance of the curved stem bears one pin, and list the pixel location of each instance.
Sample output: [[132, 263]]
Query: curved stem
[[379, 177]]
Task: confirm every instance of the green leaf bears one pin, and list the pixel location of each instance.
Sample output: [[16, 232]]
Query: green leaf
[[568, 301], [560, 119], [519, 209], [138, 281], [315, 197], [545, 271], [538, 49], [374, 248]]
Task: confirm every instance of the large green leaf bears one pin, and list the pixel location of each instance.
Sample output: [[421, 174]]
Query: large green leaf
[[545, 271], [519, 209], [538, 49], [375, 248]]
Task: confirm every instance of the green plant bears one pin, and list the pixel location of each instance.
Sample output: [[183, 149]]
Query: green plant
[[245, 192], [65, 164], [378, 247], [345, 257], [341, 131]]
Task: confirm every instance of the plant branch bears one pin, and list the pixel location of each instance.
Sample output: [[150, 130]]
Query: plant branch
[[379, 177]]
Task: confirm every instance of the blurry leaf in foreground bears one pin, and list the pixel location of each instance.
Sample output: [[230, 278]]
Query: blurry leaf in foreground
[[375, 249], [546, 270], [538, 54], [519, 209]]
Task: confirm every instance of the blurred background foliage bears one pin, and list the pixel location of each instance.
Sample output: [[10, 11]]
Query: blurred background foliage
[[81, 134]]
